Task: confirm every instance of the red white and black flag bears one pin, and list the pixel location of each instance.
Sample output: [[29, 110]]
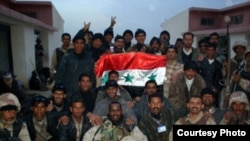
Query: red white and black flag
[[135, 68]]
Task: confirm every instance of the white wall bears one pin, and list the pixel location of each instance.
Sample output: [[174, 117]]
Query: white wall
[[54, 38], [23, 41], [177, 25]]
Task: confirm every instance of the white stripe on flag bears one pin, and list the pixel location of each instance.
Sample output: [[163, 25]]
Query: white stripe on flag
[[137, 77]]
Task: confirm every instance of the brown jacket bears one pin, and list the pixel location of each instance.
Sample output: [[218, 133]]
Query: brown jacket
[[178, 91]]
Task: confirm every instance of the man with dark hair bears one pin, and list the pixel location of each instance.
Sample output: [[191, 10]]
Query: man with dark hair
[[41, 125], [127, 36], [140, 36], [187, 53], [97, 49], [101, 107], [97, 45], [86, 91], [59, 106], [78, 123], [172, 69], [115, 127], [142, 106], [221, 52], [208, 99], [186, 84], [202, 44], [90, 35], [59, 53], [211, 70], [179, 43], [73, 64], [113, 75], [108, 35], [214, 38], [119, 45], [155, 47], [164, 39], [157, 123], [195, 115]]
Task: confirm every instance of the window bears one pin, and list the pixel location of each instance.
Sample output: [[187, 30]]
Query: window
[[207, 21], [237, 19]]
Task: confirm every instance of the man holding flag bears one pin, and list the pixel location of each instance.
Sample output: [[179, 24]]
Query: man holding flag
[[135, 69]]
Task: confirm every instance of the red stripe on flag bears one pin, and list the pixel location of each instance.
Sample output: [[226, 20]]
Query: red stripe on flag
[[131, 60]]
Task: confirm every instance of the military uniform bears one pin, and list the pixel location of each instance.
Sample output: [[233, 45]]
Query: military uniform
[[110, 132]]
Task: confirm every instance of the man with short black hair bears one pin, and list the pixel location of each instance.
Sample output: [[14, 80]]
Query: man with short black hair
[[115, 127], [173, 67], [187, 53], [142, 106], [155, 47], [78, 123], [119, 45], [108, 35], [101, 107], [59, 53], [211, 70], [73, 64], [164, 39], [202, 44], [157, 123], [195, 115], [140, 36], [208, 99], [127, 36], [187, 83], [113, 75], [86, 91], [221, 52], [59, 106], [41, 125], [179, 43]]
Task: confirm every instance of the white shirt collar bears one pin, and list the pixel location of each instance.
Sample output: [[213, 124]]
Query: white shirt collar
[[187, 52]]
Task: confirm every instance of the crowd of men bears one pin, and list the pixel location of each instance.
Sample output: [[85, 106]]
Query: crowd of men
[[194, 92]]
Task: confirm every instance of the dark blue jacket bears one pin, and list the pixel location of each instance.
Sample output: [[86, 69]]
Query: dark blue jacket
[[51, 127], [68, 132]]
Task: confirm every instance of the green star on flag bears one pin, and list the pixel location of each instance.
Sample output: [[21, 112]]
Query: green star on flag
[[104, 79], [152, 76], [128, 78]]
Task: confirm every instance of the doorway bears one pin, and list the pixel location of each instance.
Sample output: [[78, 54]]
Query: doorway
[[6, 63]]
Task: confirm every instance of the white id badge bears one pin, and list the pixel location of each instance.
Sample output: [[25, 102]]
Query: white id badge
[[161, 128]]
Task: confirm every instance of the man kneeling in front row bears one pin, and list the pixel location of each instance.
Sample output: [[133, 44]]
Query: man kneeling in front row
[[115, 128]]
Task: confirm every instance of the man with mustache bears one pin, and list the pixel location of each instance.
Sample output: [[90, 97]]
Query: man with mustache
[[208, 99], [11, 126], [196, 115], [157, 123], [142, 106], [238, 112], [115, 127], [187, 52]]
